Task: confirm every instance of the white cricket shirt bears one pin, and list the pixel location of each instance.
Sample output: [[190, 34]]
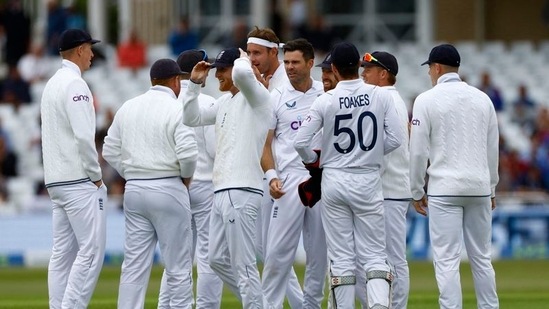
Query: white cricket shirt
[[148, 139], [395, 176], [454, 127], [241, 125], [290, 109], [360, 124], [68, 129]]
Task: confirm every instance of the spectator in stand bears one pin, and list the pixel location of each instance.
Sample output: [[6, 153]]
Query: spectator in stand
[[57, 23], [182, 38], [34, 66], [17, 29], [8, 160], [75, 18], [319, 34], [492, 91], [524, 110], [540, 153], [132, 53], [14, 89]]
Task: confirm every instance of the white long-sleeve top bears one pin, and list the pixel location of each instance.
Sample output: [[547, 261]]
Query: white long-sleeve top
[[205, 140], [241, 125], [148, 139], [360, 124], [454, 127], [68, 129], [395, 177], [291, 106]]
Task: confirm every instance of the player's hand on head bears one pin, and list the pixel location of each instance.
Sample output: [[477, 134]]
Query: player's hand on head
[[421, 206], [275, 188], [200, 72]]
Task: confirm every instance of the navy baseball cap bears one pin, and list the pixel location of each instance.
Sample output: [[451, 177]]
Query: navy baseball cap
[[189, 58], [72, 38], [381, 59], [345, 54], [444, 54], [226, 58], [326, 63], [165, 68]]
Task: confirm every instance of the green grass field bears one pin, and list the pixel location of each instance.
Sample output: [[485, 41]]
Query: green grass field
[[521, 284]]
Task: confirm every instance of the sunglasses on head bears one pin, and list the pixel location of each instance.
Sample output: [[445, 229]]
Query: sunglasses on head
[[371, 59]]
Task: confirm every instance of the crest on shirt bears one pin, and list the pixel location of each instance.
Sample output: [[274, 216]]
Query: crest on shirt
[[291, 105], [415, 122]]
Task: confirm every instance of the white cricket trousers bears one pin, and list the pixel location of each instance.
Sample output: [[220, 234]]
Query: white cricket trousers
[[293, 288], [209, 286], [156, 211], [79, 233], [232, 244], [288, 220], [452, 219], [353, 218], [395, 229]]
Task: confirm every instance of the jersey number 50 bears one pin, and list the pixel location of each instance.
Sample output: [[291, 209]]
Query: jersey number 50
[[339, 128]]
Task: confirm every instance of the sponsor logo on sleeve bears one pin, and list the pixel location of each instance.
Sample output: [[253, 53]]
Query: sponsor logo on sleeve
[[81, 97]]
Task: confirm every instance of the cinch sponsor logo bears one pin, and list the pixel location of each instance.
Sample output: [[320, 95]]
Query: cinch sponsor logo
[[296, 124], [100, 204], [81, 97], [415, 122]]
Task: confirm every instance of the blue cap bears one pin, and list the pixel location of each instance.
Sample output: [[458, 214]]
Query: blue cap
[[226, 58], [345, 54], [165, 68], [444, 54], [327, 62], [72, 38]]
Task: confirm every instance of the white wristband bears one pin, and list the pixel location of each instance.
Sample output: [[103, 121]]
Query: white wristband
[[270, 175]]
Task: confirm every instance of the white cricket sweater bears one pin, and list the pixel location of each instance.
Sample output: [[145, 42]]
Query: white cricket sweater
[[68, 129], [241, 125], [454, 127], [395, 175], [148, 139], [279, 78], [205, 140]]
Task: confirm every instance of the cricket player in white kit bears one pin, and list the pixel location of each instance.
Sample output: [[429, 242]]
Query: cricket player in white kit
[[380, 69], [262, 47], [73, 177], [285, 172], [152, 149], [360, 124], [209, 286], [241, 129], [454, 127]]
